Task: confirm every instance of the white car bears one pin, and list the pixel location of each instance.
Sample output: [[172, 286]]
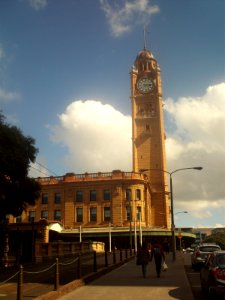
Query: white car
[[201, 252]]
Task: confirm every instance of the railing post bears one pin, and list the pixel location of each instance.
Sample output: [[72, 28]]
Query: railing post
[[95, 262], [121, 255], [114, 256], [106, 259], [20, 284], [79, 262], [56, 275]]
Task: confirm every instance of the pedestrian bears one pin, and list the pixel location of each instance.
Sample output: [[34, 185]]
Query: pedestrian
[[166, 246], [158, 254], [143, 257]]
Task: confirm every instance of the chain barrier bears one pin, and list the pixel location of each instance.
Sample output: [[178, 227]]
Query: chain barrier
[[3, 282], [69, 263], [56, 265], [37, 272]]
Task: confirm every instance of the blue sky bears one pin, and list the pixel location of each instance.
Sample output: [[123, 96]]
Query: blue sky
[[64, 80]]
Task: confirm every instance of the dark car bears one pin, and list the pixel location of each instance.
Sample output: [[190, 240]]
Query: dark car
[[212, 274], [201, 252]]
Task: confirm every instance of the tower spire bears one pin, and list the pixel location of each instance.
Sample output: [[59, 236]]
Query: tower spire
[[145, 37]]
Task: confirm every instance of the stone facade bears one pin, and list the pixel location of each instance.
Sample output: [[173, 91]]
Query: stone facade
[[94, 200], [148, 132], [118, 198]]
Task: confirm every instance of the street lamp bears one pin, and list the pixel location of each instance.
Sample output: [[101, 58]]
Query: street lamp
[[130, 221], [171, 199], [181, 212], [110, 238]]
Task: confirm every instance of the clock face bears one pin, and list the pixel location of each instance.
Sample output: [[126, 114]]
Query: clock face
[[145, 85]]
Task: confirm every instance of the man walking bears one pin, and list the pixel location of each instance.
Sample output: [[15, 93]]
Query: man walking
[[158, 254]]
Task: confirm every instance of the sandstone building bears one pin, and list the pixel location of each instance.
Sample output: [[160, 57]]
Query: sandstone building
[[119, 199]]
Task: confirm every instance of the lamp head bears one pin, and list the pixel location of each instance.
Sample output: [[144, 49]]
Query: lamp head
[[143, 170], [198, 168]]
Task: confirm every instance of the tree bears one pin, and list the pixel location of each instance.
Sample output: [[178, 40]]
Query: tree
[[218, 237], [17, 190]]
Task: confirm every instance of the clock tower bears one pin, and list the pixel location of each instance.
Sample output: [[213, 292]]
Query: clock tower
[[148, 135]]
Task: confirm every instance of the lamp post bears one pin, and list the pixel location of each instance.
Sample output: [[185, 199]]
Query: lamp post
[[140, 229], [80, 233], [130, 221], [181, 212], [171, 200], [110, 238], [135, 235]]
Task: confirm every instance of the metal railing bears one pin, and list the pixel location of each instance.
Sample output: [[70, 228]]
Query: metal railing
[[61, 272]]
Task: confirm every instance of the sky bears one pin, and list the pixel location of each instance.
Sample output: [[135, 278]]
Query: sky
[[64, 80]]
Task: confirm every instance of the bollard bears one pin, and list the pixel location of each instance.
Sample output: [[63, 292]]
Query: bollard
[[126, 254], [106, 259], [121, 255], [56, 275], [95, 262], [20, 284], [79, 262], [114, 256], [130, 251]]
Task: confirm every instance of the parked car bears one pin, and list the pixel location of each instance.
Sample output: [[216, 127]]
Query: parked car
[[201, 252], [212, 274]]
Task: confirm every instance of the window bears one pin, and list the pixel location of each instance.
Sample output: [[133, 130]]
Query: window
[[57, 215], [128, 212], [57, 198], [93, 196], [44, 214], [106, 195], [79, 214], [128, 194], [138, 194], [107, 214], [44, 199], [139, 213], [93, 214], [18, 219], [31, 216], [79, 196]]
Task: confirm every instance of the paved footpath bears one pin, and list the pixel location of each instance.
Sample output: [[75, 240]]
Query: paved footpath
[[126, 282]]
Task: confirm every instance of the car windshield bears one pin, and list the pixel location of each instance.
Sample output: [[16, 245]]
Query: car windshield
[[208, 248], [221, 260]]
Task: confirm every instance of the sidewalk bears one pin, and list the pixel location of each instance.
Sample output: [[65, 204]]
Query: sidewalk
[[126, 282]]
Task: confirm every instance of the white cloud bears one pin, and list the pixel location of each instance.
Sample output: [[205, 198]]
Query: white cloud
[[97, 136], [198, 140], [38, 4], [8, 96], [122, 18]]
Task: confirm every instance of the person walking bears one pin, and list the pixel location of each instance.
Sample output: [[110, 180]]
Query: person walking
[[143, 257], [158, 254], [166, 246]]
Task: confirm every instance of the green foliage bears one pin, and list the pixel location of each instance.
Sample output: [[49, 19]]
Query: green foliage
[[217, 237], [17, 190]]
